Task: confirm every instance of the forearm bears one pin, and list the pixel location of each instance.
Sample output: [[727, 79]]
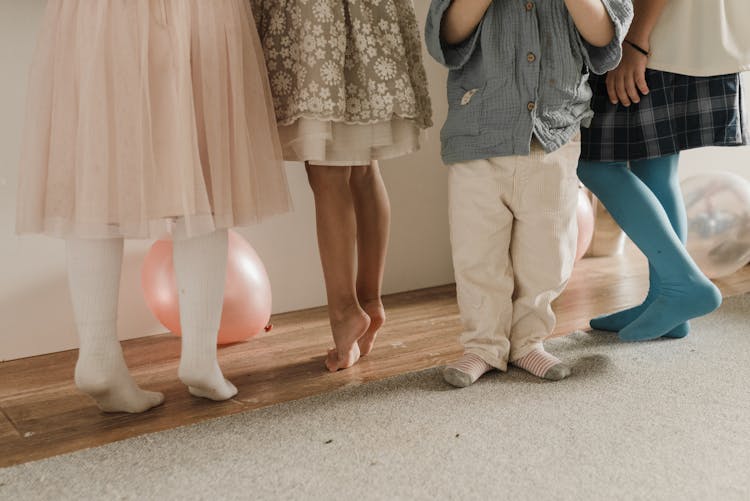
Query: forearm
[[646, 15], [461, 19], [592, 21]]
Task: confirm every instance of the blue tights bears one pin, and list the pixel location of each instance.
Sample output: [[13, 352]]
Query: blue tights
[[646, 202]]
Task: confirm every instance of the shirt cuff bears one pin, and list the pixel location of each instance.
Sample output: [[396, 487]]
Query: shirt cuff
[[454, 57], [603, 59]]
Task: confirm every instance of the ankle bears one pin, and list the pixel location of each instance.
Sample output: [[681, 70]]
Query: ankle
[[370, 301], [342, 311], [690, 279], [374, 309], [694, 285], [94, 382], [197, 368]]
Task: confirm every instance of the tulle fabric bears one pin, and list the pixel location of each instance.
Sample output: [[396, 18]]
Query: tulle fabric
[[321, 142], [142, 112]]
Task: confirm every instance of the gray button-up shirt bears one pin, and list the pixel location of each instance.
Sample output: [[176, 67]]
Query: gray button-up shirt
[[523, 71]]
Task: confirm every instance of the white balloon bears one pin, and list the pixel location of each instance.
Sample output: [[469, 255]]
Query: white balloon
[[718, 212]]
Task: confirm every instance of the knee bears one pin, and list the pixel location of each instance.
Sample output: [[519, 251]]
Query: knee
[[326, 178], [364, 175]]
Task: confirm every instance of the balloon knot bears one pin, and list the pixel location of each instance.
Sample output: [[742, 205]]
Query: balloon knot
[[268, 328]]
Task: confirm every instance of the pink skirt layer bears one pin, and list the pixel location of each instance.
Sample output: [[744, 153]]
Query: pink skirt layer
[[141, 112]]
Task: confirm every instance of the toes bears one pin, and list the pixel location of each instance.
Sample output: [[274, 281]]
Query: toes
[[132, 404], [335, 362], [352, 357], [231, 390], [155, 398], [366, 343], [332, 360], [216, 393], [557, 372]]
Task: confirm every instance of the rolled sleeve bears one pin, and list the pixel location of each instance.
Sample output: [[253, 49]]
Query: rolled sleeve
[[454, 57], [603, 59]]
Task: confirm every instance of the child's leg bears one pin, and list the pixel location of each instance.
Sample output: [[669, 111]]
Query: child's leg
[[684, 292], [481, 225], [94, 268], [200, 265], [337, 235], [373, 211], [543, 251], [660, 175]]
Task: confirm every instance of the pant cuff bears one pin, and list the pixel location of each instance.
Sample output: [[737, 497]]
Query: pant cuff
[[525, 350], [496, 362]]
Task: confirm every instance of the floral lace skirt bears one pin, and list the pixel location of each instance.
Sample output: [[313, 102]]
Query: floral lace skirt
[[347, 78]]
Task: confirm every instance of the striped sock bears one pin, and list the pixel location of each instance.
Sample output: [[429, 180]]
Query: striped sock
[[543, 365], [466, 370]]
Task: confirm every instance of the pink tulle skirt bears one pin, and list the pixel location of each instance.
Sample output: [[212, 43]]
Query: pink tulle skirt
[[142, 112]]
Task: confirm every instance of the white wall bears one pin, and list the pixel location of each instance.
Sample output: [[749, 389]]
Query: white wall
[[35, 311], [735, 160]]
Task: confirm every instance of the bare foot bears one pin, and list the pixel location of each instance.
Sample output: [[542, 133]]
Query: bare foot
[[347, 328], [376, 312]]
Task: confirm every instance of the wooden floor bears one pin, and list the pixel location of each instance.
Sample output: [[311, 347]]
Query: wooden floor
[[42, 414]]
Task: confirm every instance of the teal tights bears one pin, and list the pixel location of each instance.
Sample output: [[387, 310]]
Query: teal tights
[[646, 202]]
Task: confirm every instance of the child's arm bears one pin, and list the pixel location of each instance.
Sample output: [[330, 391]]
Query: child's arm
[[453, 30], [646, 14], [592, 21], [461, 19], [624, 82], [600, 22]]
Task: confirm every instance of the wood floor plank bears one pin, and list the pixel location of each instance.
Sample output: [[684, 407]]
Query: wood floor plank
[[598, 286], [80, 425], [45, 415], [48, 372], [7, 430]]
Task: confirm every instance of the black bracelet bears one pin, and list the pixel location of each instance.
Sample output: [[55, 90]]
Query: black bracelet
[[637, 47]]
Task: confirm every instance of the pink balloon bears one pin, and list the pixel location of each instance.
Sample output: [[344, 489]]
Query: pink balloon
[[247, 293], [585, 216], [159, 285]]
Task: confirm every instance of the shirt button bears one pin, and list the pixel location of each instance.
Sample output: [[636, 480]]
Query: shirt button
[[529, 6], [531, 106], [531, 57]]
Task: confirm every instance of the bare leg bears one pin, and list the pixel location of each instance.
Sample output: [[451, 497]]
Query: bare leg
[[373, 211], [337, 234]]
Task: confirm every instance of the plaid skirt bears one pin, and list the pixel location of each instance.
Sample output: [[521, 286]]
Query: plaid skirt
[[679, 113]]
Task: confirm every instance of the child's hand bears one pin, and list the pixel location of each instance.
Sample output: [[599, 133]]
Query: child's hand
[[625, 81]]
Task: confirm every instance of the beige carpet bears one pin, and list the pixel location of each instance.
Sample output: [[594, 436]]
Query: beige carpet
[[660, 420]]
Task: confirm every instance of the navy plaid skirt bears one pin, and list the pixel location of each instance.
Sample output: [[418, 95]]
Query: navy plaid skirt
[[679, 113]]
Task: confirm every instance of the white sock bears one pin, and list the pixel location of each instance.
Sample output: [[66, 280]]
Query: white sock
[[200, 268], [94, 268]]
